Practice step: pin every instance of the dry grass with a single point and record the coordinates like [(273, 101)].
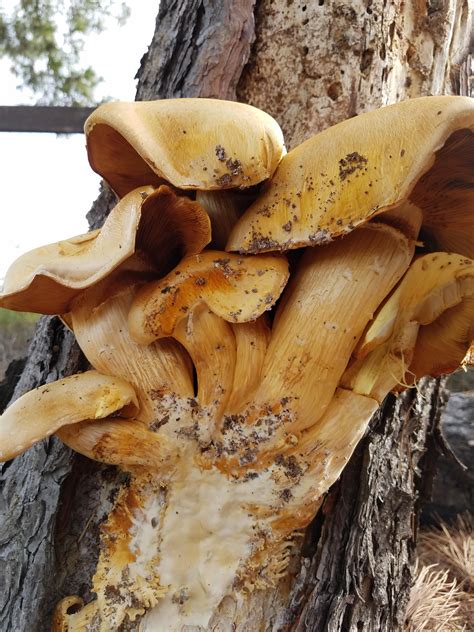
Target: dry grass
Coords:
[(442, 594)]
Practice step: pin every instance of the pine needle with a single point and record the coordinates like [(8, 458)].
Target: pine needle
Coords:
[(441, 597), (435, 602)]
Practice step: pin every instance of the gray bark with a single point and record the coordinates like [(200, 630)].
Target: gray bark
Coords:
[(312, 64)]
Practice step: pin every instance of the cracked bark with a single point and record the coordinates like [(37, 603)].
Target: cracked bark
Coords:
[(311, 65)]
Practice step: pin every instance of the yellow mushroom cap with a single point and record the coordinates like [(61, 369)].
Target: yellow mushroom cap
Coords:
[(419, 151), (235, 288), (42, 411), (191, 143), (433, 284), (156, 224)]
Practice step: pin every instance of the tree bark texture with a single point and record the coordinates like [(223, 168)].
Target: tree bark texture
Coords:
[(309, 64)]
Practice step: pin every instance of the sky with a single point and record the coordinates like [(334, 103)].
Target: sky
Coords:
[(47, 184)]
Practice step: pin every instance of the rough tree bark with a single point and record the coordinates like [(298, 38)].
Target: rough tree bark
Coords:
[(309, 64)]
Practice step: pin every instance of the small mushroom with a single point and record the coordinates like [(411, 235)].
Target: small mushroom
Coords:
[(196, 302), (424, 328), (124, 442), (42, 411), (419, 151)]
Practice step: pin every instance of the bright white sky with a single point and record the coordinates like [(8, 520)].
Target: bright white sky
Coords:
[(47, 184)]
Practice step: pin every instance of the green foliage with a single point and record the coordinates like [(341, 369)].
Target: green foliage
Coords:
[(9, 321), (16, 330), (44, 40)]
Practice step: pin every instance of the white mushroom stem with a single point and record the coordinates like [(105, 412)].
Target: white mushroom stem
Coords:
[(42, 411), (329, 301)]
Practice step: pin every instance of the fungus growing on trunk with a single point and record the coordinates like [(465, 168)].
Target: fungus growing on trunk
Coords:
[(200, 144), (424, 328), (232, 422)]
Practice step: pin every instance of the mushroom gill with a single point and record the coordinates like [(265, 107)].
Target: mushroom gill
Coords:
[(424, 328)]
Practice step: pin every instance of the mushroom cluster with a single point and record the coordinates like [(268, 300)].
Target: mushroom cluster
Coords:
[(231, 377)]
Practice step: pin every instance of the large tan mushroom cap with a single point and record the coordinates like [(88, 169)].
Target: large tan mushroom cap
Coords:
[(191, 143), (419, 151), (237, 289), (156, 224)]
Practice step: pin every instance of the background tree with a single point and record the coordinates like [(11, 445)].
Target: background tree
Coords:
[(310, 65), (44, 39)]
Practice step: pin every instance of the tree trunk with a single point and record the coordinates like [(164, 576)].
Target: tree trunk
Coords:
[(310, 65)]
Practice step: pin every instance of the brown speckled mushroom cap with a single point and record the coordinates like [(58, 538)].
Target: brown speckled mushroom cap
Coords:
[(419, 152), (156, 224), (236, 288), (191, 143)]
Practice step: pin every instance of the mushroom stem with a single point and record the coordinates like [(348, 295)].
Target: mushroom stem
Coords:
[(194, 304), (42, 411), (321, 454), (224, 209), (124, 442), (251, 341), (99, 320), (210, 342), (329, 301)]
